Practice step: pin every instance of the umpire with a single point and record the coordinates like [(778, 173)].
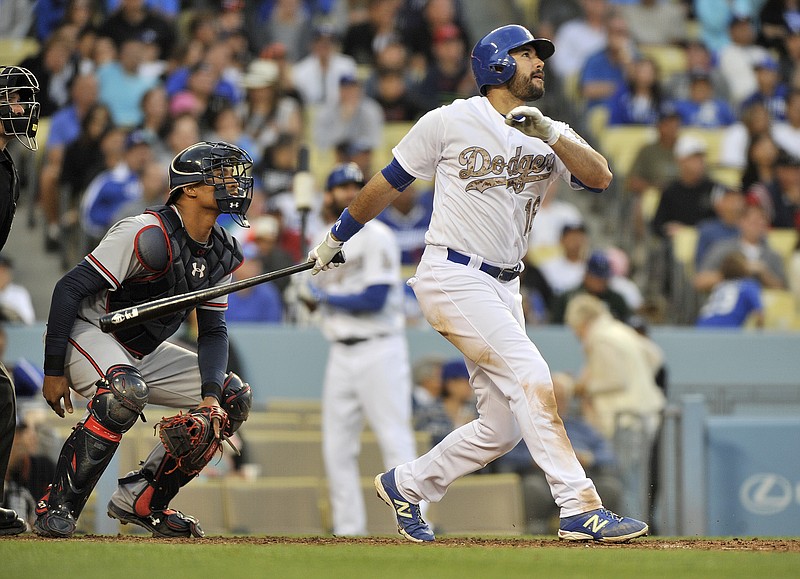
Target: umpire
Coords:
[(19, 118)]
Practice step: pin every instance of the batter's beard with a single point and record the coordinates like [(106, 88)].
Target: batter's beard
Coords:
[(524, 88)]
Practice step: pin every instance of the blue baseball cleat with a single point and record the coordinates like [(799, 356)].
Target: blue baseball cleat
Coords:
[(409, 520), (601, 525)]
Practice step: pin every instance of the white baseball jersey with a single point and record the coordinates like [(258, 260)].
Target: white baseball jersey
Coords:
[(489, 178), (372, 258)]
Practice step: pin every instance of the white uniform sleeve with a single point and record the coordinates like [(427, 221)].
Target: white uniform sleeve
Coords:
[(420, 150), (382, 261), (114, 258)]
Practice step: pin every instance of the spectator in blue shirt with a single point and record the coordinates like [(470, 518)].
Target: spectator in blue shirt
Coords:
[(260, 303), (728, 203), (771, 91), (640, 101), (734, 299), (605, 72), (702, 109)]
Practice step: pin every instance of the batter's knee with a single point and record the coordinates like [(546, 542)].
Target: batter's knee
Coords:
[(237, 399), (120, 398)]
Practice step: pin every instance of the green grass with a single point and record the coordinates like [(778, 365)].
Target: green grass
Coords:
[(31, 558)]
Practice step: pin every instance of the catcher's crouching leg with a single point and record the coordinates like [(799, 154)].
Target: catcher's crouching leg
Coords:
[(117, 404), (143, 496)]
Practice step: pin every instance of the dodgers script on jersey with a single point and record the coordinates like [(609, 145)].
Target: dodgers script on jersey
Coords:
[(489, 178), (116, 260), (373, 258)]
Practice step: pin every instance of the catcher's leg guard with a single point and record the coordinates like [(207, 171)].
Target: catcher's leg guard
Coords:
[(143, 497), (118, 402)]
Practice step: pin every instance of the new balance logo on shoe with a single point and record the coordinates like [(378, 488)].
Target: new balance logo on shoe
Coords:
[(403, 509), (596, 523)]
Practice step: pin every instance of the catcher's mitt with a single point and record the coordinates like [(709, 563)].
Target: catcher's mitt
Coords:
[(190, 439)]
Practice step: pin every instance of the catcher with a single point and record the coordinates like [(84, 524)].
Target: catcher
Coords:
[(167, 250)]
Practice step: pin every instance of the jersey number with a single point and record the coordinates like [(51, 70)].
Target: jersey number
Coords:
[(531, 208)]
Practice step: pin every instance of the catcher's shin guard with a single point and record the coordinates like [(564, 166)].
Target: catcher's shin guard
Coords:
[(143, 497), (113, 410)]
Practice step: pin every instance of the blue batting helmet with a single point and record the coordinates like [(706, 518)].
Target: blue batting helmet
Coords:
[(344, 174), (491, 63)]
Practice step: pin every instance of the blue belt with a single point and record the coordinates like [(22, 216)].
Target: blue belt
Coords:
[(496, 272)]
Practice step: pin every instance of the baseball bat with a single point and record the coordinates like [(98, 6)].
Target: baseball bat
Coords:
[(127, 317)]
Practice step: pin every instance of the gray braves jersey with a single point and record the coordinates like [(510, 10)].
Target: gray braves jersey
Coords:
[(115, 259)]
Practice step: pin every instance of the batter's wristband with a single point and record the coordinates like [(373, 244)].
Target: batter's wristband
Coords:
[(211, 389), (54, 365), (346, 226)]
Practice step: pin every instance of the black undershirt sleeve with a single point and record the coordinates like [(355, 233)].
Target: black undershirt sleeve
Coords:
[(80, 282), (212, 351)]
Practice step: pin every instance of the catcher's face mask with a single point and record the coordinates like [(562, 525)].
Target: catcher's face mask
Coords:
[(19, 111)]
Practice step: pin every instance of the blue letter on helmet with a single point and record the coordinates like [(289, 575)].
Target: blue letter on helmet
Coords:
[(491, 63)]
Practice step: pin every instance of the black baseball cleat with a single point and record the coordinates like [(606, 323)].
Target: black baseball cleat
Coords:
[(168, 523), (11, 523), (55, 522)]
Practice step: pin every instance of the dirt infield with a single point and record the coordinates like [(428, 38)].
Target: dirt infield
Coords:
[(650, 543)]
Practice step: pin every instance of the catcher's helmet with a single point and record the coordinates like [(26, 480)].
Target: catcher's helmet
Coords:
[(19, 111), (224, 166), (344, 174), (491, 63)]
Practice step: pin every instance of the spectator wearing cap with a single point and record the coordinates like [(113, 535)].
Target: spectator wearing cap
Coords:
[(596, 282), (15, 300), (122, 86), (418, 28), (702, 108), (728, 204), (687, 199), (771, 92), (398, 102), (738, 59), (355, 117), (787, 133), (447, 74), (266, 110), (453, 408), (115, 187), (698, 59), (317, 76), (565, 271)]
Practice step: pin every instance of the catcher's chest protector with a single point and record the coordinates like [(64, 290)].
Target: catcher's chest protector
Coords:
[(178, 265)]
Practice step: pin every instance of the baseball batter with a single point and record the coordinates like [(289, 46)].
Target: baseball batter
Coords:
[(492, 159), (368, 373), (167, 250)]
